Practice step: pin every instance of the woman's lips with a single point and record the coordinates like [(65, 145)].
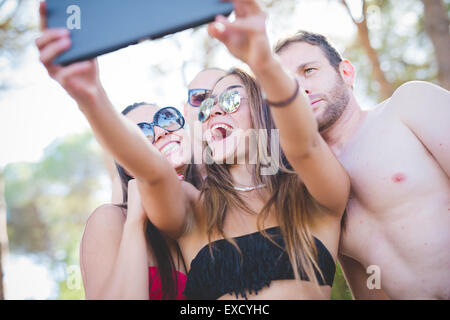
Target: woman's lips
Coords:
[(169, 147), (221, 131)]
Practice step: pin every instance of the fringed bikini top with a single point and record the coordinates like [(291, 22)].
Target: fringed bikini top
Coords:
[(261, 262)]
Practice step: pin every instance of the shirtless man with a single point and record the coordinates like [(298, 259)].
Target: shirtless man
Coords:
[(397, 224)]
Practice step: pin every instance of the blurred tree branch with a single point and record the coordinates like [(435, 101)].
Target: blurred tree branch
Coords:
[(15, 34), (3, 235), (437, 27), (386, 87), (13, 27)]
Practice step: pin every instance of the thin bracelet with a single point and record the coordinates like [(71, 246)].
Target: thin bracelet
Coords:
[(288, 101)]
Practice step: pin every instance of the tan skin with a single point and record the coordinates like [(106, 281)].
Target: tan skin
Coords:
[(398, 158), (114, 253), (183, 217)]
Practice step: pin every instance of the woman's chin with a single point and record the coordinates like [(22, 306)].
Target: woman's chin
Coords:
[(224, 153), (178, 159), (227, 150)]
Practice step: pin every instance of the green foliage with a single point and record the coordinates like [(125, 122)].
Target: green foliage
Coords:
[(340, 289), (66, 293), (48, 202)]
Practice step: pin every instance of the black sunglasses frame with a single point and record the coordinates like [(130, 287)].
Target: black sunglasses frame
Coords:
[(154, 123)]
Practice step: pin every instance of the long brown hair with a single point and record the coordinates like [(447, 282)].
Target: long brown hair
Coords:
[(288, 197), (157, 242)]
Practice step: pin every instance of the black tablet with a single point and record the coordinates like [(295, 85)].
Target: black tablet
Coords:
[(102, 26)]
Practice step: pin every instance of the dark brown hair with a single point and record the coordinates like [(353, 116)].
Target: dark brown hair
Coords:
[(288, 197), (158, 243), (314, 39)]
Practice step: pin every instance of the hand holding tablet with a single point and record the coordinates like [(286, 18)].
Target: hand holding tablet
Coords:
[(102, 26)]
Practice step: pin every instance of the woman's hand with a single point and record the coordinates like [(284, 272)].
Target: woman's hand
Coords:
[(246, 37), (135, 211), (81, 79)]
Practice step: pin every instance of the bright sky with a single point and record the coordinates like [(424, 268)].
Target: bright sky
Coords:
[(39, 111)]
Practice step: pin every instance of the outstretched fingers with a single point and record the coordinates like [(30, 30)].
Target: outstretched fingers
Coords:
[(49, 36), (43, 15), (221, 29), (244, 8), (74, 69), (51, 47)]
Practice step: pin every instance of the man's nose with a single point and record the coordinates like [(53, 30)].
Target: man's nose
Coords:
[(304, 85)]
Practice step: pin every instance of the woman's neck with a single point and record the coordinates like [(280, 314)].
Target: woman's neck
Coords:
[(242, 175)]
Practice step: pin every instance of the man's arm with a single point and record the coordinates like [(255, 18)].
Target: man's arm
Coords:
[(356, 278), (425, 109)]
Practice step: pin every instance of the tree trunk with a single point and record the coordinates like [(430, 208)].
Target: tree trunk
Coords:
[(386, 88), (2, 293), (3, 235), (437, 27)]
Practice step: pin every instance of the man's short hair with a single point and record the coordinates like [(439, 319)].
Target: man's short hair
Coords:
[(314, 39)]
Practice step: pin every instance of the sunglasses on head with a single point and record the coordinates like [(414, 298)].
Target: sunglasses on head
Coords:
[(197, 96), (168, 118), (229, 102)]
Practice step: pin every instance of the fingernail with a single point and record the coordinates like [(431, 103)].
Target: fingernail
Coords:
[(219, 26)]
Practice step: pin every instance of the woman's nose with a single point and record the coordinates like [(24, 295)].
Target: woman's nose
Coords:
[(216, 110), (160, 133)]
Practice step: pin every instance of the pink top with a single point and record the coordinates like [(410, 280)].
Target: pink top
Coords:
[(155, 284)]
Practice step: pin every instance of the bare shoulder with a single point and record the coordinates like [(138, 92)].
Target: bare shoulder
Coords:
[(412, 96), (107, 219), (100, 242), (415, 94), (417, 88)]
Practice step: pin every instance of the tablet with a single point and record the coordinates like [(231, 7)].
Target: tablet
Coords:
[(102, 26)]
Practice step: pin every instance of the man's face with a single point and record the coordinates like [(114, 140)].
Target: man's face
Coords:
[(328, 93), (204, 80)]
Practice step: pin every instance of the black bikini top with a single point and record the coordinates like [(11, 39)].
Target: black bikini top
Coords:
[(261, 262)]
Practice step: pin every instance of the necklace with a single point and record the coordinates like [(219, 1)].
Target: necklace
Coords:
[(246, 189)]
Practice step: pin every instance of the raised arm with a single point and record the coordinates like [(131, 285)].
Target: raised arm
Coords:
[(316, 165), (119, 136)]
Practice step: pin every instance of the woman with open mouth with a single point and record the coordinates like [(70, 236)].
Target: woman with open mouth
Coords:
[(123, 255), (248, 233)]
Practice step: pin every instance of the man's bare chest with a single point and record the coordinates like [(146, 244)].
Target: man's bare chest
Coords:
[(397, 186)]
